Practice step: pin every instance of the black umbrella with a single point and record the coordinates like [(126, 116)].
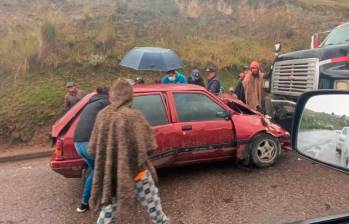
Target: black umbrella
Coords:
[(152, 59)]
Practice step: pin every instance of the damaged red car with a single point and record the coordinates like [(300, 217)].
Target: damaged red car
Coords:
[(191, 126)]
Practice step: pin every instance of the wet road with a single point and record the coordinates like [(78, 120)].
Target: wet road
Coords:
[(321, 144), (216, 193)]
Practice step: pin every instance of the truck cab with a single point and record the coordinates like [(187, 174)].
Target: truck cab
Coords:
[(323, 66)]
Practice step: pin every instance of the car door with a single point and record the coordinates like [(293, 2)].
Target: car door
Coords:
[(155, 109), (206, 135)]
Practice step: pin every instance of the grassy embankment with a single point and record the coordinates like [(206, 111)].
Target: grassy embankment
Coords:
[(38, 57)]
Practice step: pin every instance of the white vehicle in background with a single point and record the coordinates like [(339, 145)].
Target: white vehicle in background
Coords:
[(342, 146), (341, 141)]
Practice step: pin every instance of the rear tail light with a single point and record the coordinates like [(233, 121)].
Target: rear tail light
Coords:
[(59, 149)]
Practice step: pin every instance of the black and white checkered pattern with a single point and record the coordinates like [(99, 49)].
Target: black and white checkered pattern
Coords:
[(107, 214), (148, 196)]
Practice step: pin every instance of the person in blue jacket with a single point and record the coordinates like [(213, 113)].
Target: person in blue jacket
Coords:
[(175, 77)]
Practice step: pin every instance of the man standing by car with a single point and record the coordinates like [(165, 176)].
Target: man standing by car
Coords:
[(253, 86), (82, 136), (73, 96), (214, 85), (174, 77), (120, 142), (239, 89)]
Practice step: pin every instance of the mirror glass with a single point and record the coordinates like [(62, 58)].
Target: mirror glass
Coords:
[(323, 132)]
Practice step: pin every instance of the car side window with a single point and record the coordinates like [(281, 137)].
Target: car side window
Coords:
[(196, 107), (152, 108)]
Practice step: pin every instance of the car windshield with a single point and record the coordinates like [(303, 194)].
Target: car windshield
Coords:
[(339, 35)]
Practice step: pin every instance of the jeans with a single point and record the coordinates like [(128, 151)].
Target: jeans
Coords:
[(81, 148)]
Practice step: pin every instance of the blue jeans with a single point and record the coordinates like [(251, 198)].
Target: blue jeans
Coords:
[(81, 149)]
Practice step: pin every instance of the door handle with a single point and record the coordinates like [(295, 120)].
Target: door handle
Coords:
[(187, 128)]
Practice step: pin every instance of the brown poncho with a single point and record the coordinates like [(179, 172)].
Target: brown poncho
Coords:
[(120, 143), (253, 87)]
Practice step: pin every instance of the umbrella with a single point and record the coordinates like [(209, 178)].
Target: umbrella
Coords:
[(152, 59)]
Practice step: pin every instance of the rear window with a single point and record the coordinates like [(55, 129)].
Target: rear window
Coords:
[(152, 108)]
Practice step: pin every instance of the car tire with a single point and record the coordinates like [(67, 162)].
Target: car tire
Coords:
[(264, 150)]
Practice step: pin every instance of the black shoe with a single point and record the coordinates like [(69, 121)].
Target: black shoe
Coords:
[(82, 208)]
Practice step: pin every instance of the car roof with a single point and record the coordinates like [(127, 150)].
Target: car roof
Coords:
[(165, 87)]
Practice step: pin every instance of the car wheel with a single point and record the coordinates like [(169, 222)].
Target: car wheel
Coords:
[(265, 150)]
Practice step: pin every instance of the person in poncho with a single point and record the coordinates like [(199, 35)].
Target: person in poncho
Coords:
[(120, 144), (253, 86)]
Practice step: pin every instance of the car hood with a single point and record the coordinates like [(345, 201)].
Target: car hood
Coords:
[(324, 53), (270, 127)]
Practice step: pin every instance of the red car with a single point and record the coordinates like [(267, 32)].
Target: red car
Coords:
[(191, 126)]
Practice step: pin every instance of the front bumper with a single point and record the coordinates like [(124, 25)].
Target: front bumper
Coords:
[(286, 143)]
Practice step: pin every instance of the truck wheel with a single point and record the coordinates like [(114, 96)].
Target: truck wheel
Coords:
[(265, 150)]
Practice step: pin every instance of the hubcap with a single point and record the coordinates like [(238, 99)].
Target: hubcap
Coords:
[(266, 150)]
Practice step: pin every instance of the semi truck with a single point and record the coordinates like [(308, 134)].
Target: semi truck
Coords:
[(324, 66)]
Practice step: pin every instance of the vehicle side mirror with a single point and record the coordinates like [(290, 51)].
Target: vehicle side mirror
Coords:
[(321, 121), (277, 47), (226, 114), (314, 41)]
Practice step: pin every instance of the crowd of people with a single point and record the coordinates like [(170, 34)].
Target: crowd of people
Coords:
[(115, 141)]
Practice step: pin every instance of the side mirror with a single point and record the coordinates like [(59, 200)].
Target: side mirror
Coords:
[(277, 47), (320, 127), (314, 41), (224, 114)]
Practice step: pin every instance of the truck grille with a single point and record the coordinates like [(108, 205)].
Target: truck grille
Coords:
[(294, 77)]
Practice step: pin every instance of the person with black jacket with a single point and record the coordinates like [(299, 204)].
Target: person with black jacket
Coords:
[(82, 137), (195, 78), (239, 89), (214, 85)]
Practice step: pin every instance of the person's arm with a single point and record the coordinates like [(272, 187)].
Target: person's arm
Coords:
[(66, 103), (184, 79), (214, 87), (201, 82), (164, 80)]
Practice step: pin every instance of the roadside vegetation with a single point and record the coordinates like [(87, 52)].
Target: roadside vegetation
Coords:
[(45, 43), (321, 120)]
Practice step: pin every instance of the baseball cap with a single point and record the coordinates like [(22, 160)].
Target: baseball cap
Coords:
[(70, 84), (210, 69)]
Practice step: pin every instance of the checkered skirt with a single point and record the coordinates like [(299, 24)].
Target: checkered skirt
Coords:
[(147, 195)]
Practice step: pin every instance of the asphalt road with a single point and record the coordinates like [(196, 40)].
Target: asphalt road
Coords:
[(320, 144), (216, 193)]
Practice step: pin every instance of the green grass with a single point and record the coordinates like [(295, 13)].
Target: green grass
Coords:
[(37, 101)]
